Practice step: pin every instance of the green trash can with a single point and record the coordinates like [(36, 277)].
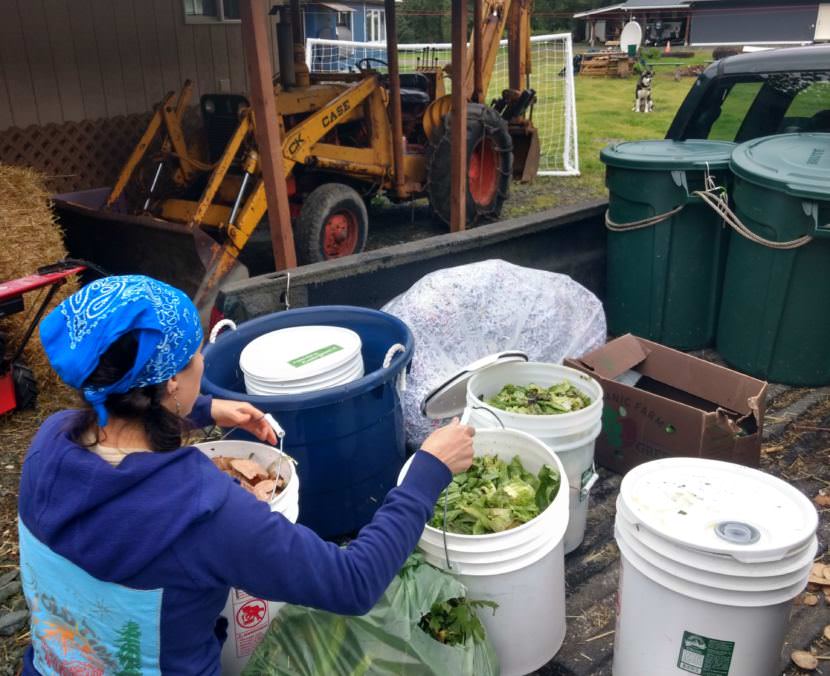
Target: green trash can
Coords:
[(775, 310), (666, 249)]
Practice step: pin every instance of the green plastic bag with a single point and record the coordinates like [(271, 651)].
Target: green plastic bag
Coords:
[(387, 640)]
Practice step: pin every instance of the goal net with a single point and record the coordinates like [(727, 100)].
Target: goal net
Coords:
[(554, 113)]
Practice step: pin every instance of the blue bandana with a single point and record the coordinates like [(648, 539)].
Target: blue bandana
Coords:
[(77, 333)]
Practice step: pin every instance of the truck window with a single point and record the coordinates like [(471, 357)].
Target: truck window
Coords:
[(810, 109), (737, 102)]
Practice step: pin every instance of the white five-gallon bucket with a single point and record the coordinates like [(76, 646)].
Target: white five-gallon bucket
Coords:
[(712, 555), (570, 435), (521, 569), (249, 617)]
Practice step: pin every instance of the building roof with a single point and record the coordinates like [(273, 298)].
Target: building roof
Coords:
[(634, 5)]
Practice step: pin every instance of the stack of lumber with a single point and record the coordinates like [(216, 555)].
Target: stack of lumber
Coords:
[(605, 64)]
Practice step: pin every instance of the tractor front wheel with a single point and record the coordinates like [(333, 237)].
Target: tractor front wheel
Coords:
[(489, 165), (333, 222), (25, 386)]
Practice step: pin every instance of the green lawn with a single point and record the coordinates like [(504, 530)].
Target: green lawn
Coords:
[(604, 116)]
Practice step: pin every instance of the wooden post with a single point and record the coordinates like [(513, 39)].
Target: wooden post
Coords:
[(478, 94), (394, 96), (688, 28), (267, 131), (458, 174), (515, 49)]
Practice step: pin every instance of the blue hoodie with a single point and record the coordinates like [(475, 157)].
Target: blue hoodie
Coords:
[(126, 569)]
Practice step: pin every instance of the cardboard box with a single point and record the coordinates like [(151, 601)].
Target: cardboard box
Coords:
[(663, 403)]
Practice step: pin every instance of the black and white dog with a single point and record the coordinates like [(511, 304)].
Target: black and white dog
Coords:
[(642, 93)]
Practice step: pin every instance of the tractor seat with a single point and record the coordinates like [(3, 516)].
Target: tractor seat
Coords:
[(414, 97), (414, 81)]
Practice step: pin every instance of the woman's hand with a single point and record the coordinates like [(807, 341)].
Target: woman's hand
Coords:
[(452, 445), (226, 413)]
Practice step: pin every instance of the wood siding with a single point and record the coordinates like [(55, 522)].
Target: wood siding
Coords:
[(73, 60)]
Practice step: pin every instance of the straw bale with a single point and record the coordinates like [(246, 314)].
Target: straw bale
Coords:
[(31, 238)]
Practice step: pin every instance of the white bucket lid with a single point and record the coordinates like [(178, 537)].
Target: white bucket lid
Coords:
[(344, 377), (718, 507), (346, 372), (450, 397), (299, 353)]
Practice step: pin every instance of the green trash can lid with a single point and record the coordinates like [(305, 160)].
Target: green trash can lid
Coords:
[(664, 154), (795, 164)]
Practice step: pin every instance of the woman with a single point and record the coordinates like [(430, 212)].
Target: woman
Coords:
[(130, 542)]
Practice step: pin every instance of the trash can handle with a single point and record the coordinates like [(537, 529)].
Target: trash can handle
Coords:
[(811, 209), (217, 329)]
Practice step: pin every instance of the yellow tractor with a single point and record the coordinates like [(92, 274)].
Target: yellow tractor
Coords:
[(337, 152)]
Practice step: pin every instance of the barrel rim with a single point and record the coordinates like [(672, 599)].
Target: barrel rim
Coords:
[(716, 157), (321, 314)]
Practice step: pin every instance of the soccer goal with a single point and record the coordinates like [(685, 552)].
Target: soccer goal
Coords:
[(554, 113)]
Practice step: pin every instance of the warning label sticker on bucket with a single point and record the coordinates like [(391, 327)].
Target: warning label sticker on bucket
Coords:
[(306, 359), (251, 620), (705, 656)]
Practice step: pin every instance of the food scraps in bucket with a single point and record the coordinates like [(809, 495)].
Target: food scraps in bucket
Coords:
[(454, 622), (493, 496), (536, 400), (252, 476)]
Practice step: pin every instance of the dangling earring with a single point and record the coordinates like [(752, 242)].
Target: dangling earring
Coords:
[(178, 407)]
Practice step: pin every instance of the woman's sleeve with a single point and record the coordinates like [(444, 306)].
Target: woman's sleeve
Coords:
[(246, 546), (200, 415)]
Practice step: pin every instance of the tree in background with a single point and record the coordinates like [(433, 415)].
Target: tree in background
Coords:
[(424, 21), (430, 20)]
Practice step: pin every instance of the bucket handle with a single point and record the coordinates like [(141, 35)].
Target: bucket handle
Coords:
[(465, 418), (387, 362), (586, 489), (217, 329)]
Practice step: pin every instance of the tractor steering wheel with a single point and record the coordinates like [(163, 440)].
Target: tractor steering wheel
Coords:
[(364, 64)]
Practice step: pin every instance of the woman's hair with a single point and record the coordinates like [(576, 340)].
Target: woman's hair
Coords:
[(142, 405)]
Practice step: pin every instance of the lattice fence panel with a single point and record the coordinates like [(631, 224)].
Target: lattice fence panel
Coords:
[(79, 155)]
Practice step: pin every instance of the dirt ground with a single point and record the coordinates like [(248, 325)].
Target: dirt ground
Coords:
[(398, 223), (796, 448)]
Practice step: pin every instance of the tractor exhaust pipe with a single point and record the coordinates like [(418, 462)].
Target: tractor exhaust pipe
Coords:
[(285, 49)]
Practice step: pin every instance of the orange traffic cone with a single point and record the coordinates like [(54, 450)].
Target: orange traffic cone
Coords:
[(667, 50)]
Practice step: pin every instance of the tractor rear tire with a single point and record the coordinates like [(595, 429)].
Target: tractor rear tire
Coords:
[(489, 165), (25, 386), (333, 222)]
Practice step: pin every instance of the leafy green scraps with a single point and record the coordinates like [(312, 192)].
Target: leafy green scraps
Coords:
[(535, 400), (454, 621), (493, 496)]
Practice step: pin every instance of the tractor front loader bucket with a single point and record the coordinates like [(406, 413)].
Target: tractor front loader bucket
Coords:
[(122, 243), (526, 150)]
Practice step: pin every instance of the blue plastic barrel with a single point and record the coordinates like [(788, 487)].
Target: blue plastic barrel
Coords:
[(349, 440)]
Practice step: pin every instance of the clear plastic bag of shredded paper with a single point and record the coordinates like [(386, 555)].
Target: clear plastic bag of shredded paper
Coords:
[(387, 640), (459, 315)]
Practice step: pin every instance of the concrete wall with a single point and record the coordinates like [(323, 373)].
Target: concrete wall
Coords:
[(70, 60)]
